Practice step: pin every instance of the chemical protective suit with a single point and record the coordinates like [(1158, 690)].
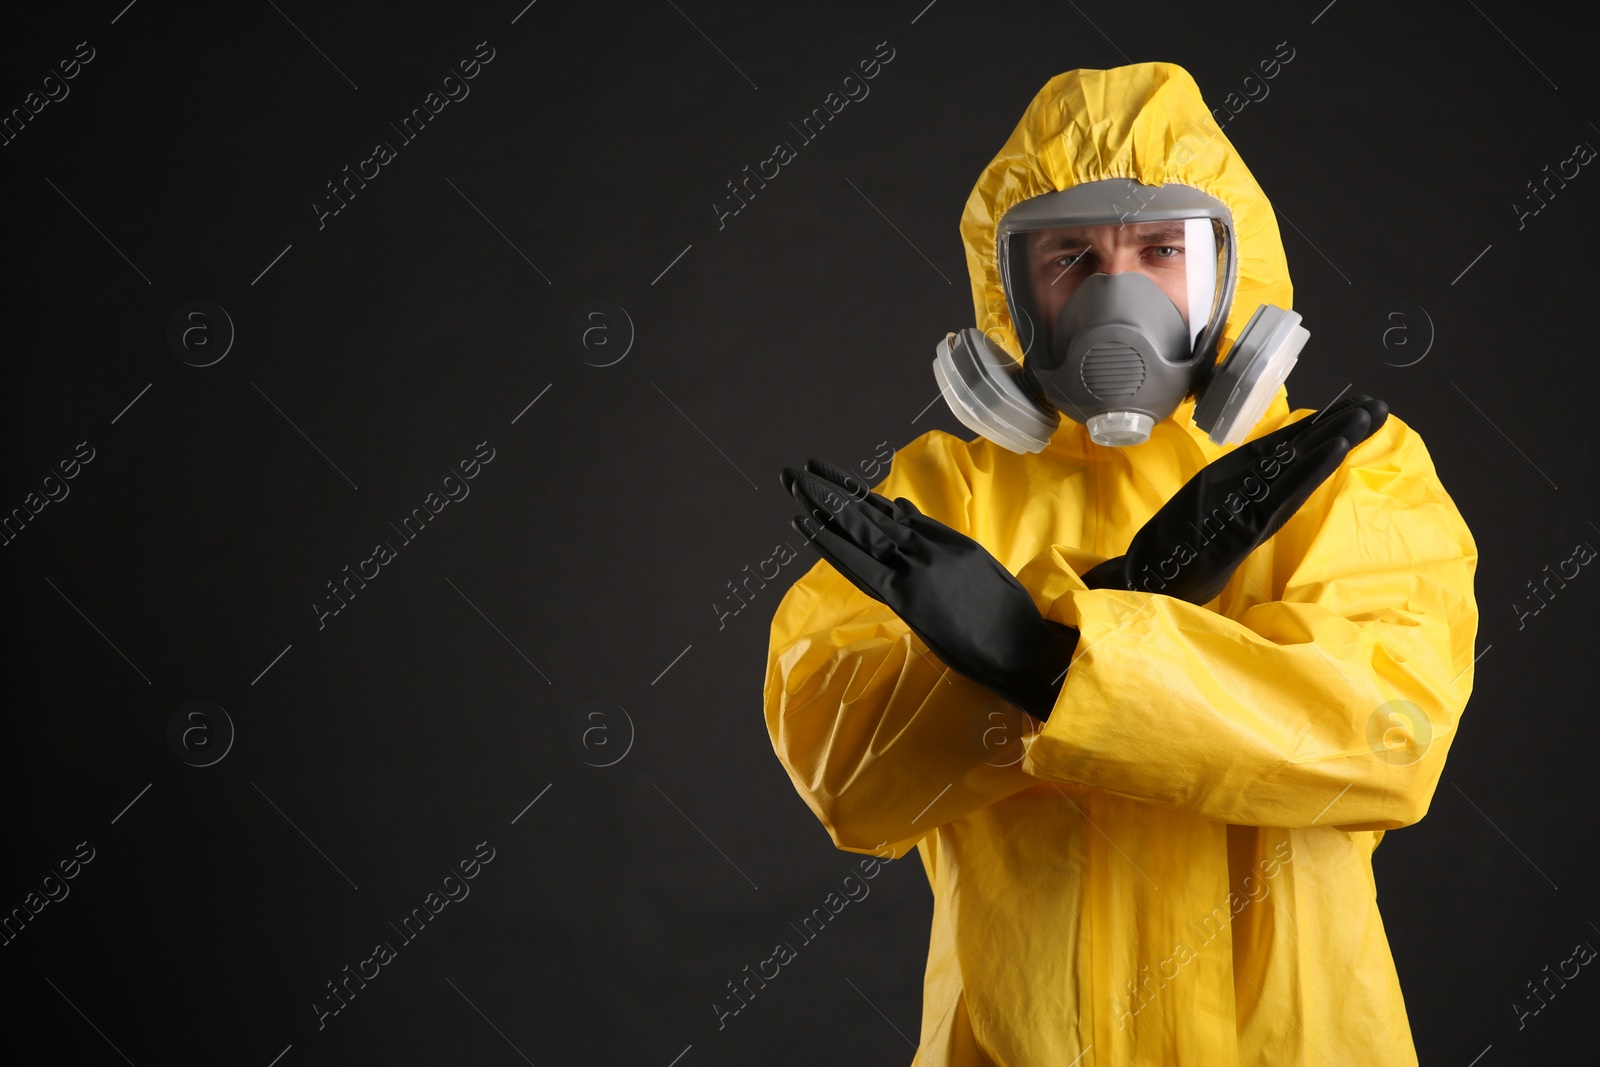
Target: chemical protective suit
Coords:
[(1175, 867)]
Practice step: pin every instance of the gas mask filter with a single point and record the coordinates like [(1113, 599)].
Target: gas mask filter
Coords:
[(1119, 292)]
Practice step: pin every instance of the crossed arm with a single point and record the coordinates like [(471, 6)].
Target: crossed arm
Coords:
[(1323, 690)]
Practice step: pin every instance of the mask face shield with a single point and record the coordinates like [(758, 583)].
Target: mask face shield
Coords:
[(1179, 256), (1118, 292)]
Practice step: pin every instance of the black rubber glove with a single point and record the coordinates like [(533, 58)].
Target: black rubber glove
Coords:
[(967, 608), (1191, 547)]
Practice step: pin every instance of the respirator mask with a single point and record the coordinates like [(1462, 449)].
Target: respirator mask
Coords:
[(1118, 292)]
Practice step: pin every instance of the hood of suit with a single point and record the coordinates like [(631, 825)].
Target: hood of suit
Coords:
[(1147, 122)]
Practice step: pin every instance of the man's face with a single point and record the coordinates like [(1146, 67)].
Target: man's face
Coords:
[(1059, 260)]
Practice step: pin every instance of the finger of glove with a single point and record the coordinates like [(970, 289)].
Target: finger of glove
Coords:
[(929, 534), (1338, 407), (905, 511), (874, 523), (849, 483), (858, 568), (1241, 460), (1293, 432), (1344, 418), (871, 530), (873, 579), (1303, 477), (787, 478), (1377, 412), (926, 532), (1353, 424)]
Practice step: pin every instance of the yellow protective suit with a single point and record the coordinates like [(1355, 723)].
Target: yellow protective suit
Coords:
[(1176, 868)]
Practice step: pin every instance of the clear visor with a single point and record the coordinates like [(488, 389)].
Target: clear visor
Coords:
[(1185, 257)]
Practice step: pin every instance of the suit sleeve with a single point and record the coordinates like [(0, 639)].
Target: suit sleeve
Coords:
[(881, 740), (1324, 685)]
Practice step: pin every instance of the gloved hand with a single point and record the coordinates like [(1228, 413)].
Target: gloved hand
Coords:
[(967, 608), (1191, 547)]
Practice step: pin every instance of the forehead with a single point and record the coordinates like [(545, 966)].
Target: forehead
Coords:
[(1110, 233)]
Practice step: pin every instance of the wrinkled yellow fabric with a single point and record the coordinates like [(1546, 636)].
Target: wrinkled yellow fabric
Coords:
[(1176, 868)]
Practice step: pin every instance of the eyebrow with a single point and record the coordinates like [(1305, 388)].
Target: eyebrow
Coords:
[(1169, 233), (1161, 233)]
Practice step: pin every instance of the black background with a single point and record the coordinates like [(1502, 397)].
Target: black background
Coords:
[(574, 587)]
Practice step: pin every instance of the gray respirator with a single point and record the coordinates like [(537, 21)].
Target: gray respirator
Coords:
[(1119, 292)]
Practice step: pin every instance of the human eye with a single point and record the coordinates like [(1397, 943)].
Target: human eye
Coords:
[(1058, 262), (1166, 251)]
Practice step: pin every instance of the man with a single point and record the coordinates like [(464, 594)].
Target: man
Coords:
[(1143, 697)]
